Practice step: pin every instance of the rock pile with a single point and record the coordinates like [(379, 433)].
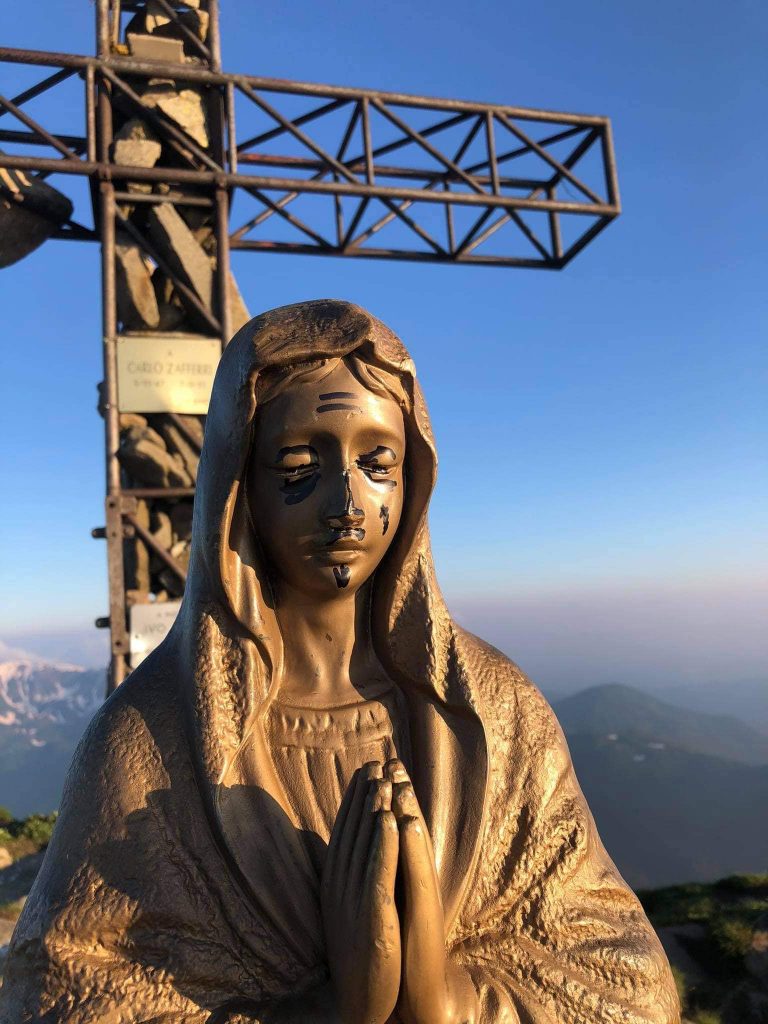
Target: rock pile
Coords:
[(166, 278), (160, 451)]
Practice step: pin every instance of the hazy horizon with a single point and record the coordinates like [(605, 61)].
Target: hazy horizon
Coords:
[(696, 643), (601, 431)]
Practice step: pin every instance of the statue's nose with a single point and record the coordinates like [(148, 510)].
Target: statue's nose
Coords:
[(350, 515)]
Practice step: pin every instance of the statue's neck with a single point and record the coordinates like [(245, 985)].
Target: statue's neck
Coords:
[(328, 656)]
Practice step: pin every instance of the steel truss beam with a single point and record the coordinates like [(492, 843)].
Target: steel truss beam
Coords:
[(463, 160)]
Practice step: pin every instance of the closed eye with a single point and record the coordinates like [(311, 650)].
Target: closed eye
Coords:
[(292, 473), (378, 463), (296, 463), (372, 469)]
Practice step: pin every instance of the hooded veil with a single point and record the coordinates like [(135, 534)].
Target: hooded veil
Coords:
[(175, 889)]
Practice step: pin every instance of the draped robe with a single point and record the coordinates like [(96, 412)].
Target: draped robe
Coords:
[(176, 888)]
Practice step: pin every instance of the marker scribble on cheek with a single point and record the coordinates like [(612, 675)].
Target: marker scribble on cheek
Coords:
[(341, 574), (389, 484), (384, 516)]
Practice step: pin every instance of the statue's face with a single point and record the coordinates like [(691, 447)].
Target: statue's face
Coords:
[(325, 482)]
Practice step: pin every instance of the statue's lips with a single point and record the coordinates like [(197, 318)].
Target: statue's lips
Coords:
[(346, 540)]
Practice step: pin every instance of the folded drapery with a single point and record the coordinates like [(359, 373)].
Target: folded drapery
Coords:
[(177, 887)]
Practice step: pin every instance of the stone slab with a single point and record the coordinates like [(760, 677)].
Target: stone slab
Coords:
[(181, 250), (183, 106), (238, 311), (156, 48), (136, 300), (30, 212)]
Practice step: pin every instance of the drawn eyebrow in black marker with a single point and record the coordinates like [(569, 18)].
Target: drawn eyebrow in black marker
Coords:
[(338, 407), (337, 394), (295, 449), (379, 450)]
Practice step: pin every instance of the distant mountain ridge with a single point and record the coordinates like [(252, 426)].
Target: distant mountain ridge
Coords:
[(667, 816), (44, 708), (45, 692), (614, 709), (678, 795)]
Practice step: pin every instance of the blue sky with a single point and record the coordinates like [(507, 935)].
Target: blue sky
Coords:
[(601, 430)]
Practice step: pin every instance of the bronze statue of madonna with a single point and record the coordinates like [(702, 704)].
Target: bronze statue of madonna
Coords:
[(320, 800)]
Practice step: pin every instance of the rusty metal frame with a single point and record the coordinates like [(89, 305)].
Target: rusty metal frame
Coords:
[(380, 189), (488, 185), (102, 85)]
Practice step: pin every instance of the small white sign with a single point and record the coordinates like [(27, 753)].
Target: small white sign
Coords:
[(150, 624), (166, 374)]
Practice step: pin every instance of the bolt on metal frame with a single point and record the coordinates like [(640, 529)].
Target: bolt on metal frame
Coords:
[(460, 163)]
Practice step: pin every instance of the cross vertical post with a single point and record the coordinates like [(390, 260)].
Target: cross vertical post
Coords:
[(355, 173)]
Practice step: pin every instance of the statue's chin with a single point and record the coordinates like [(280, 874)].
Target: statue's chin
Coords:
[(341, 572), (327, 574), (340, 579)]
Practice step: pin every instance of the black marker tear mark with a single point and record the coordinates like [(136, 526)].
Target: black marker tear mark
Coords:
[(337, 394), (384, 515), (297, 492), (368, 463), (341, 574), (338, 407)]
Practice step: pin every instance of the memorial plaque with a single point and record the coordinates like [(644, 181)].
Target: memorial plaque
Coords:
[(166, 374), (150, 624)]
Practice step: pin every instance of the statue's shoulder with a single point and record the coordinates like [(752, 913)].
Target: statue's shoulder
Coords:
[(141, 716), (505, 691)]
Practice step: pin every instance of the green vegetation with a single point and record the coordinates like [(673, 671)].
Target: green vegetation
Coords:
[(725, 913), (10, 911), (680, 984), (22, 836)]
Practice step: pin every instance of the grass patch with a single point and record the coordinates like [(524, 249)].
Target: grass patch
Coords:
[(22, 836), (10, 911), (726, 911), (677, 974)]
